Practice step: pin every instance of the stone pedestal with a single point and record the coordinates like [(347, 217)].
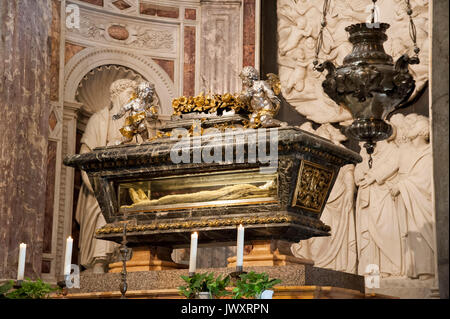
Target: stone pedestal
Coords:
[(297, 282), (148, 258), (405, 288), (270, 253)]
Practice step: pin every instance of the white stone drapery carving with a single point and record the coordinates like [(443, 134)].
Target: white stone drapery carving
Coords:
[(394, 214), (412, 195)]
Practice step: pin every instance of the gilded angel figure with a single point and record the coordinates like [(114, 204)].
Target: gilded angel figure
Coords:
[(140, 108), (261, 99)]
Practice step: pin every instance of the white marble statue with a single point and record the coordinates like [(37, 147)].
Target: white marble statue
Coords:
[(298, 28), (101, 130), (412, 193), (337, 252), (401, 140), (378, 228)]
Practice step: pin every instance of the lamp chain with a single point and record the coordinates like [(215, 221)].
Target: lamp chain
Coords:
[(373, 11), (412, 30), (323, 24), (124, 252)]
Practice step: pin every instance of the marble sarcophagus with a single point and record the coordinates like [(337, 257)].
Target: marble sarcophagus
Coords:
[(275, 182)]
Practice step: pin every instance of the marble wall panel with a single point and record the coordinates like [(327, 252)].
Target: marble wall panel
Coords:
[(121, 4), (55, 40), (147, 9), (249, 36), (189, 61), (168, 66), (167, 12), (159, 10), (94, 2), (71, 49), (190, 14)]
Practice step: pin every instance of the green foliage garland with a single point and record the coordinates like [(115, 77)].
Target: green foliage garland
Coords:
[(249, 285), (28, 290)]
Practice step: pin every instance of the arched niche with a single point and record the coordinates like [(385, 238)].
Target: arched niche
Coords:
[(93, 90), (88, 59)]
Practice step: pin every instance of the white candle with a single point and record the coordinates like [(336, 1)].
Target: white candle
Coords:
[(193, 256), (68, 256), (240, 247), (21, 267)]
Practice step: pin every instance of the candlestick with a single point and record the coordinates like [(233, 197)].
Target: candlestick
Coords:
[(68, 256), (21, 267), (193, 255), (240, 247)]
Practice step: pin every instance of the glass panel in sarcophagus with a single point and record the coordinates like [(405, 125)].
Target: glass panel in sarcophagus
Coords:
[(230, 188)]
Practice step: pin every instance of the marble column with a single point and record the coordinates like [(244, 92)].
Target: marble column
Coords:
[(440, 138), (24, 107)]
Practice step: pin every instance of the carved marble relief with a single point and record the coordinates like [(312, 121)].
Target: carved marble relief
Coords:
[(400, 181), (298, 27), (128, 33)]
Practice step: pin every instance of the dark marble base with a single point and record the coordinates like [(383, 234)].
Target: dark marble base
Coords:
[(293, 275)]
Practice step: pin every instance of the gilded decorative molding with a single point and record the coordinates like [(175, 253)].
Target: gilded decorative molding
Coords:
[(278, 219), (210, 103), (313, 184)]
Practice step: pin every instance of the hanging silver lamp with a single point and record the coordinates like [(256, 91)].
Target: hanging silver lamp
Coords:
[(368, 83)]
